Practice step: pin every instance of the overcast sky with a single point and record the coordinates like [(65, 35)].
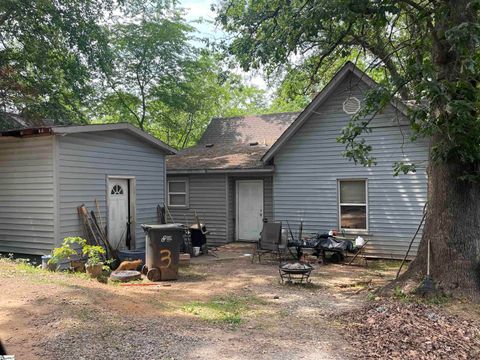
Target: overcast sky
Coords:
[(198, 9)]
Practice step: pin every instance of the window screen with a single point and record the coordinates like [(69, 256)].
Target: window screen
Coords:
[(353, 204)]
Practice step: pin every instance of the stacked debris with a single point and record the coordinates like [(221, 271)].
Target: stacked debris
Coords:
[(94, 230), (393, 330)]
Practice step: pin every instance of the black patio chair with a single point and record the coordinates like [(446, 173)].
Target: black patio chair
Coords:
[(270, 242)]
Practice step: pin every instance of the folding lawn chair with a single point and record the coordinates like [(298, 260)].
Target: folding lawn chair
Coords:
[(270, 242)]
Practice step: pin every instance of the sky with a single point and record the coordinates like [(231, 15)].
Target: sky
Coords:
[(198, 9), (201, 9)]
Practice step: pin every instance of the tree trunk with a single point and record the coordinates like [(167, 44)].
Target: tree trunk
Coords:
[(452, 223), (452, 226)]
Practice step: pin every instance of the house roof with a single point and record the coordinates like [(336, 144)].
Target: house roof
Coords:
[(236, 143), (64, 130), (11, 121), (347, 69)]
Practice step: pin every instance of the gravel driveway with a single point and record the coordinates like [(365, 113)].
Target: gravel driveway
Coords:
[(229, 309)]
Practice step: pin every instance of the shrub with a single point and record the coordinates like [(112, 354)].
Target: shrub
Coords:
[(67, 250), (93, 252)]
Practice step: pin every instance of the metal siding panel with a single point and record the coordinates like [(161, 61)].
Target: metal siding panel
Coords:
[(27, 195), (85, 161), (309, 164), (206, 196)]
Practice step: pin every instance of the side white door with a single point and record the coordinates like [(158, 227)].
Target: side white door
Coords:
[(249, 209), (117, 212)]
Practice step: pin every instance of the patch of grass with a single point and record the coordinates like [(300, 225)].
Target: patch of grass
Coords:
[(229, 309), (385, 265), (440, 299), (17, 267), (25, 267), (435, 299), (371, 296), (400, 295)]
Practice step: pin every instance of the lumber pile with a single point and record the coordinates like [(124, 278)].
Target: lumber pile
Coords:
[(95, 231)]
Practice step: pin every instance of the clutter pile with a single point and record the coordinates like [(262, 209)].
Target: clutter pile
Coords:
[(393, 330)]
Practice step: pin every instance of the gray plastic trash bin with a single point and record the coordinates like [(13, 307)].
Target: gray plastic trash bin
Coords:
[(162, 251)]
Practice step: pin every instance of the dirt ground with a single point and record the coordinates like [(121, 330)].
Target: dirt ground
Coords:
[(229, 309)]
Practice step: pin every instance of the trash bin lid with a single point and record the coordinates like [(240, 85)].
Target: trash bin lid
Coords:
[(195, 226), (163, 227)]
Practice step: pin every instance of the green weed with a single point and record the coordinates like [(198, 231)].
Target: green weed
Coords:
[(385, 265), (400, 295), (228, 309)]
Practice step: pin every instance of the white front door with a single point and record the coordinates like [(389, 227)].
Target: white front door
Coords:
[(117, 212), (249, 209)]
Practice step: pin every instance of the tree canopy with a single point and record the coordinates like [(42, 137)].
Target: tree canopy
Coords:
[(112, 61), (393, 37), (47, 52), (161, 82)]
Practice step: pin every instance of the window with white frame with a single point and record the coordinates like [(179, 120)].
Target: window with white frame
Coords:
[(178, 193), (353, 204)]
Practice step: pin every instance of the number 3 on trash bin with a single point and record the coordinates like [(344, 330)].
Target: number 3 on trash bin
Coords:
[(166, 255)]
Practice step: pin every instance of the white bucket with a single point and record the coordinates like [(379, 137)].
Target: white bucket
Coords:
[(45, 259), (359, 242), (196, 250)]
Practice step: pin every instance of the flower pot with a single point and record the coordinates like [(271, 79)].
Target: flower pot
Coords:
[(78, 265), (94, 270)]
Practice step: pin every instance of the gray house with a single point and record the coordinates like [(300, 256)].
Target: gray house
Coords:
[(46, 172), (224, 179), (235, 177)]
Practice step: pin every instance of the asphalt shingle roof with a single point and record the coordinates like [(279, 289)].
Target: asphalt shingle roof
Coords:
[(231, 139), (11, 121)]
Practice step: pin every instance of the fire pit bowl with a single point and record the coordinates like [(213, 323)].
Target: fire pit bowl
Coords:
[(295, 272)]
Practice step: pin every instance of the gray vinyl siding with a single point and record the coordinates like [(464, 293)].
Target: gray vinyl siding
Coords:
[(208, 196), (27, 198), (85, 160), (309, 165), (267, 200)]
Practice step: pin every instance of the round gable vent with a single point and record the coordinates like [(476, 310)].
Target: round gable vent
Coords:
[(351, 105)]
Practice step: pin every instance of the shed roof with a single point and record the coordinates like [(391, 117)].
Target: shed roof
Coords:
[(232, 143), (73, 129)]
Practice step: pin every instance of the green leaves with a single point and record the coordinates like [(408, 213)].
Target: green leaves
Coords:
[(47, 55), (426, 55), (161, 82), (400, 167)]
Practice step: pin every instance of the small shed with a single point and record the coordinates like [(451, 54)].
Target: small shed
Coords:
[(47, 172)]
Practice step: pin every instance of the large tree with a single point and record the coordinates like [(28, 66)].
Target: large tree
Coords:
[(47, 51), (429, 52), (163, 80)]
